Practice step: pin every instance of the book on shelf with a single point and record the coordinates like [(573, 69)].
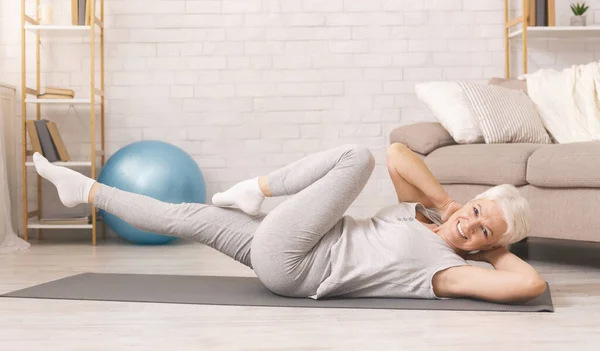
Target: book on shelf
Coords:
[(46, 139), (542, 13), (58, 142), (48, 148), (70, 219), (81, 12), (59, 91), (531, 21), (36, 146)]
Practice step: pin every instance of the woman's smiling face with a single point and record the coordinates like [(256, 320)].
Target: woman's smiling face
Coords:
[(478, 225)]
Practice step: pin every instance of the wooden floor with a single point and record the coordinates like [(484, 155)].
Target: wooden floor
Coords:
[(572, 269)]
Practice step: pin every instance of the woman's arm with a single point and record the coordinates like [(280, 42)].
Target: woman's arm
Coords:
[(412, 179), (513, 279), (486, 284)]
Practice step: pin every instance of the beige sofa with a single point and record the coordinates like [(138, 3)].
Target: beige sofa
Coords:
[(560, 181)]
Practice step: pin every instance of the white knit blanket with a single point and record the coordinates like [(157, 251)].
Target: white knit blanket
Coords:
[(568, 101)]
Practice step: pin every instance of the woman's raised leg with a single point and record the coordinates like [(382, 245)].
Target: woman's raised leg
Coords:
[(227, 230)]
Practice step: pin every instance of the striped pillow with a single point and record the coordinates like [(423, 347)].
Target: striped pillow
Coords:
[(505, 115)]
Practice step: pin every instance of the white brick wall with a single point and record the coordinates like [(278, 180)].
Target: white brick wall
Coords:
[(246, 86)]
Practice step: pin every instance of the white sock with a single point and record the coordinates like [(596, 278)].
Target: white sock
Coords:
[(73, 187), (245, 195)]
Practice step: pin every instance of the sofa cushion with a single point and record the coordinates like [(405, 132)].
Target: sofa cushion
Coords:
[(565, 165), (422, 137), (488, 164)]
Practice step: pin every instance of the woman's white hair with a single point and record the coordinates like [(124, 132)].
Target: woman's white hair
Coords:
[(515, 209)]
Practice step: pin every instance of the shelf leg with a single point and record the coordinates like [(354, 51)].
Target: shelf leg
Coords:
[(102, 140), (38, 111), (23, 125), (93, 106), (525, 21), (506, 43)]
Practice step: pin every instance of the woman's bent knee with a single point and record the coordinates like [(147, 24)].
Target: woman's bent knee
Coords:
[(361, 155)]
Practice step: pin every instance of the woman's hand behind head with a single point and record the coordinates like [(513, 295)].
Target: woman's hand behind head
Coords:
[(449, 209)]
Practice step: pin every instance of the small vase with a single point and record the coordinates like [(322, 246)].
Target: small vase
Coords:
[(578, 21)]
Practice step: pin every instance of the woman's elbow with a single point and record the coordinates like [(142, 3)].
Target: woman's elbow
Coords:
[(532, 289), (527, 291), (396, 152), (396, 147), (537, 287)]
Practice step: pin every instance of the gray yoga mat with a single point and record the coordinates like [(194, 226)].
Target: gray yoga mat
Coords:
[(238, 291)]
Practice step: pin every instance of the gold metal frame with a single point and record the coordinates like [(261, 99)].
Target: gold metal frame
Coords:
[(509, 23), (96, 21)]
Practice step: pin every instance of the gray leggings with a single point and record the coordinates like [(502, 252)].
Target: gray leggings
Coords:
[(288, 248)]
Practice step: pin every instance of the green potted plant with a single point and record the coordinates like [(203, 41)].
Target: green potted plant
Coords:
[(579, 10)]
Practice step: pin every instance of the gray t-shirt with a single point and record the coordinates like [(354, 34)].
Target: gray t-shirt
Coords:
[(389, 255)]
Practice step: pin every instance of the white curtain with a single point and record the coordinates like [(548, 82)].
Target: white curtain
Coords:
[(9, 241)]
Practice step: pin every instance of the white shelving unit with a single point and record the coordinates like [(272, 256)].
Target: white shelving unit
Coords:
[(59, 101), (526, 32), (34, 224), (95, 32), (43, 27), (558, 32)]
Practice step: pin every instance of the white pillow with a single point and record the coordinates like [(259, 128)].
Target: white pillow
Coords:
[(448, 103)]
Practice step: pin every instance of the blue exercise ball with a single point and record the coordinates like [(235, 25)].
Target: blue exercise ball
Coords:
[(156, 169)]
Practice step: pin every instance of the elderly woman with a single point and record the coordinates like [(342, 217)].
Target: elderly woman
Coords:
[(306, 247)]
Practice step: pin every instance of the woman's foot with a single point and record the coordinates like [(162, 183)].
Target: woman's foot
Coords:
[(73, 187), (245, 195)]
